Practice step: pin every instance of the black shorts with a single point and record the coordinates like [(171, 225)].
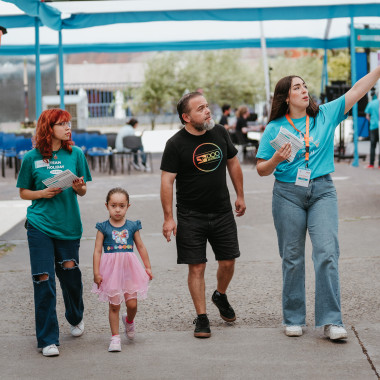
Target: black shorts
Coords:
[(195, 228)]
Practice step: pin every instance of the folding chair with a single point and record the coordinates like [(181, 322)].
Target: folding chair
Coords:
[(8, 151), (97, 146), (23, 145), (133, 143)]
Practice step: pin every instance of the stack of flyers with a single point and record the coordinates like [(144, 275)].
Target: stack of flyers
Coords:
[(283, 137), (63, 180)]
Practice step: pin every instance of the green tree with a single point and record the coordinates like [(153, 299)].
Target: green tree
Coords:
[(308, 67), (228, 79), (156, 94), (339, 65), (224, 77)]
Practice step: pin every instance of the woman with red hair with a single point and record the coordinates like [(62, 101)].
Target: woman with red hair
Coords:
[(54, 225)]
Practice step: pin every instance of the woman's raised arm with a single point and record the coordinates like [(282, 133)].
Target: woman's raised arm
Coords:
[(360, 88)]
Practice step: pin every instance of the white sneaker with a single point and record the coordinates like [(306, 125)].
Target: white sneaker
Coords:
[(77, 330), (129, 327), (335, 332), (136, 166), (115, 344), (51, 350), (147, 168), (293, 330)]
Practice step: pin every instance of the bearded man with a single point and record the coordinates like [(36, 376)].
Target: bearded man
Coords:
[(196, 158)]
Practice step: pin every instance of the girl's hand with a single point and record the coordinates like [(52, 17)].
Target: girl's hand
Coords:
[(149, 273), (50, 192), (98, 279)]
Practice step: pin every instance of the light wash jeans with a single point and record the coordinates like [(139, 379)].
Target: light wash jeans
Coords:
[(295, 210)]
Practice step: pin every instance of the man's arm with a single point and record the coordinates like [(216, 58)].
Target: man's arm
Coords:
[(169, 226), (236, 175)]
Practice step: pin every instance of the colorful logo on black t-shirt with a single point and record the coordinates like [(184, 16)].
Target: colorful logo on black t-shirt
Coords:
[(207, 157)]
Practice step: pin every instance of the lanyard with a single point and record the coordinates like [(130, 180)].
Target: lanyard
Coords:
[(306, 135)]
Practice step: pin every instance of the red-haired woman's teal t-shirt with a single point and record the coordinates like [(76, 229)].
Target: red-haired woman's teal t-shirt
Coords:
[(57, 217)]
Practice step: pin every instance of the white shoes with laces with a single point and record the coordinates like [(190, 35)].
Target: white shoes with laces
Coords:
[(51, 350), (332, 332), (77, 330), (335, 332), (293, 330)]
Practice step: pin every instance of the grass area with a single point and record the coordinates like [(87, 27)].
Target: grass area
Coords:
[(5, 248)]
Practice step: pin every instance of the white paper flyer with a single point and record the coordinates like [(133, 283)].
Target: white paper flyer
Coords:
[(283, 137)]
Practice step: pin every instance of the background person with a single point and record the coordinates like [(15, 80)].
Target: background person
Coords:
[(129, 130), (226, 111), (304, 198), (372, 115), (241, 129), (118, 274), (54, 226), (196, 158)]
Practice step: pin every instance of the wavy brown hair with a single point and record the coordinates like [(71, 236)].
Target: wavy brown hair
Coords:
[(44, 131), (281, 92), (241, 111)]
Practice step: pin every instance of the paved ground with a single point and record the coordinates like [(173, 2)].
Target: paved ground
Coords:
[(254, 347)]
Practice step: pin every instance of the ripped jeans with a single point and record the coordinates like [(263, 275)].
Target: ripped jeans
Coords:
[(47, 258)]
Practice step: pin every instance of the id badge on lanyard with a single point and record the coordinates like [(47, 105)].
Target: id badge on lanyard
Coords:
[(303, 175)]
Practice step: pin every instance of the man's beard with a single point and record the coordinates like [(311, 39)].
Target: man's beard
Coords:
[(205, 126)]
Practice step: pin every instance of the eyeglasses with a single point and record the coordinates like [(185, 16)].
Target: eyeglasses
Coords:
[(65, 124)]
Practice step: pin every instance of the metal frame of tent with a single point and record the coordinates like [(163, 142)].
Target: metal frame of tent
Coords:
[(36, 13)]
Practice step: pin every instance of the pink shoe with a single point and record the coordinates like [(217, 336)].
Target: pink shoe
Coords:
[(129, 327)]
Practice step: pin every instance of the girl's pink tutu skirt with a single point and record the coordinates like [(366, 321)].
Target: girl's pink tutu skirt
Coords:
[(123, 276)]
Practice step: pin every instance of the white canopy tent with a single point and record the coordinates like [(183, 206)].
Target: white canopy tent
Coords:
[(147, 25)]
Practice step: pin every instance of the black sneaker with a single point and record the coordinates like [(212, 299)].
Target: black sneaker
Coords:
[(226, 311), (202, 326)]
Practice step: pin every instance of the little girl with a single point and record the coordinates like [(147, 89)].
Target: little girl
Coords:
[(118, 274)]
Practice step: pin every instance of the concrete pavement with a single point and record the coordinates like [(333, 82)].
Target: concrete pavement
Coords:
[(254, 347)]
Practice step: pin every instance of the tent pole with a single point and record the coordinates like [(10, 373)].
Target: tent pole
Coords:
[(38, 68), (266, 67), (325, 75), (61, 82), (353, 81)]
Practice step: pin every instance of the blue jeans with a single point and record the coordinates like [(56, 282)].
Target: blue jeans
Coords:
[(374, 137), (314, 209), (48, 255), (136, 156)]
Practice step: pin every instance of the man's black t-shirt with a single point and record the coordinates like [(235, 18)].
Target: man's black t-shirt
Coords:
[(200, 164)]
